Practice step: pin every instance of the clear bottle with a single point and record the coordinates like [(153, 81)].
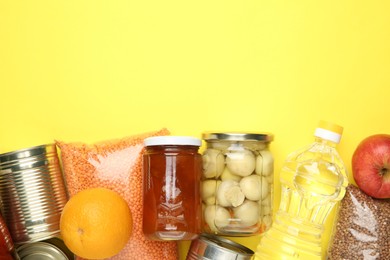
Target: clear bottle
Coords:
[(313, 181)]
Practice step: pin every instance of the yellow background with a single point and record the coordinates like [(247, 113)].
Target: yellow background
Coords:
[(95, 70)]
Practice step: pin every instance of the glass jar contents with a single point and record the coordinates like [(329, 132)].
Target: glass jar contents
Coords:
[(237, 183), (172, 170)]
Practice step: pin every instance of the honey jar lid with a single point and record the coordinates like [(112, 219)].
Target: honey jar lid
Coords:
[(238, 136), (172, 140)]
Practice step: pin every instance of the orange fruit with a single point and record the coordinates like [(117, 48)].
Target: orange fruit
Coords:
[(96, 223)]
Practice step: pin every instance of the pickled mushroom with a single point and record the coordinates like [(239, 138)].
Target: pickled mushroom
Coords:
[(252, 187), (213, 163), (227, 175), (266, 201), (229, 194), (248, 213), (241, 163), (265, 187), (221, 145), (265, 163), (208, 188), (216, 216), (210, 200)]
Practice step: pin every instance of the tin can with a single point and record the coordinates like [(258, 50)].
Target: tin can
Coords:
[(50, 249), (32, 192), (237, 183), (213, 247), (172, 169)]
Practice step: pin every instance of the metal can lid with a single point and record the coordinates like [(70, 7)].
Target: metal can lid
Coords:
[(238, 136), (40, 251), (219, 248)]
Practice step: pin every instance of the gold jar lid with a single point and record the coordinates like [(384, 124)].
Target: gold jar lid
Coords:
[(238, 136)]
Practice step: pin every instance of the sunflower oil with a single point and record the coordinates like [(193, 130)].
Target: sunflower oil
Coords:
[(313, 181)]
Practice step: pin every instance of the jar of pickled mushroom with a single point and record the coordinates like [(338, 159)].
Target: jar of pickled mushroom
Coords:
[(172, 168), (237, 183)]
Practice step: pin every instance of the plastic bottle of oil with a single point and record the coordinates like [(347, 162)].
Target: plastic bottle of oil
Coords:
[(313, 180)]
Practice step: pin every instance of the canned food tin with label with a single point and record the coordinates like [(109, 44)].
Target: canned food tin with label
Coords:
[(237, 183)]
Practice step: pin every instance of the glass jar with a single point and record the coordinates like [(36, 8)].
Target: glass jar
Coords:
[(172, 169), (237, 183)]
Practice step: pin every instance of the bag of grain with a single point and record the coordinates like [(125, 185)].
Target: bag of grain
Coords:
[(362, 228), (116, 165)]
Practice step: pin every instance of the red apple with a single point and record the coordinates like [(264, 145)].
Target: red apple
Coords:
[(371, 166)]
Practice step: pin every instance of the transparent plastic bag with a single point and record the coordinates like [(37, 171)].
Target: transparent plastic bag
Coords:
[(362, 228), (116, 165)]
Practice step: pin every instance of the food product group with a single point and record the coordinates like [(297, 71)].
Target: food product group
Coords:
[(136, 197)]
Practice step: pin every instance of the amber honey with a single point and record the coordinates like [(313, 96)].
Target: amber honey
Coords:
[(172, 170)]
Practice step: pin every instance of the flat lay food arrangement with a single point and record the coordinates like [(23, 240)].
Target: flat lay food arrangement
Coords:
[(137, 197), (194, 129)]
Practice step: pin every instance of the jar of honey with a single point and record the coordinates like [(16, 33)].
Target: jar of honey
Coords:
[(237, 183), (172, 168)]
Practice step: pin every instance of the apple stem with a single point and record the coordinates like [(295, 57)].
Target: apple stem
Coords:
[(385, 174)]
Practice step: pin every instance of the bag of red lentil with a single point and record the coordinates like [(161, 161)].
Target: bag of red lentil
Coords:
[(116, 165), (362, 228)]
